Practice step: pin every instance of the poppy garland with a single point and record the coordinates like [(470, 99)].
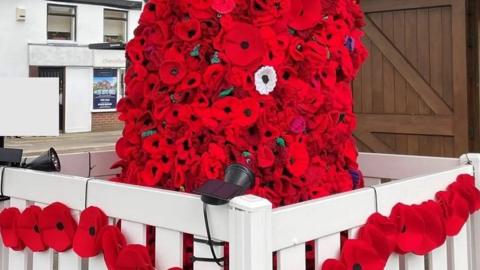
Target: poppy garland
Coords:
[(417, 229), (262, 83), (54, 227)]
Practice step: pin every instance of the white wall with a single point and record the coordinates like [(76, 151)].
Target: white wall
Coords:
[(15, 36), (78, 97)]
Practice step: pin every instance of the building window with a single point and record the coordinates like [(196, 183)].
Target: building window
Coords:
[(61, 21), (115, 26)]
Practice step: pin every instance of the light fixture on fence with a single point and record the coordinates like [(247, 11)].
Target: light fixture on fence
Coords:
[(46, 162), (238, 179)]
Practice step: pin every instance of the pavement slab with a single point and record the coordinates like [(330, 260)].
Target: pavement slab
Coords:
[(66, 143)]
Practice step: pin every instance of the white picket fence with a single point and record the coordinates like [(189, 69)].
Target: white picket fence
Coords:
[(254, 231)]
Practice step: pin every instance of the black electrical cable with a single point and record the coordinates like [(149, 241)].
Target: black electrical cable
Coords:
[(210, 243)]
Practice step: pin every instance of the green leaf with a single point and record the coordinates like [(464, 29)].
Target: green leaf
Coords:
[(215, 58), (281, 142), (148, 133), (196, 51), (227, 92), (246, 154)]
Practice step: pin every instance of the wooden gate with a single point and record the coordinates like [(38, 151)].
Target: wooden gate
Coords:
[(411, 94)]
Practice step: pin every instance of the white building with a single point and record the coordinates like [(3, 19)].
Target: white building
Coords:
[(51, 39)]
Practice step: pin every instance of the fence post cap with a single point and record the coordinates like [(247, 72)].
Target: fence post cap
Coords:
[(250, 203)]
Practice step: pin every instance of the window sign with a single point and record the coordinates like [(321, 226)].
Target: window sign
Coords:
[(105, 85)]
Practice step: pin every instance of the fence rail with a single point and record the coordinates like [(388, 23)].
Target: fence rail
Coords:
[(253, 229)]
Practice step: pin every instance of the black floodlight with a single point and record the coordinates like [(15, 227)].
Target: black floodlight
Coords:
[(46, 162), (238, 179)]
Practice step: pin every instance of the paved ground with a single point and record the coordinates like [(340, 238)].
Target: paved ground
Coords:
[(66, 143)]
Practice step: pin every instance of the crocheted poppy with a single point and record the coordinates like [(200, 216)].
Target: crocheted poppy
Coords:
[(112, 241), (86, 242), (134, 257), (435, 234), (188, 30), (455, 211), (223, 6), (243, 44), (248, 113), (8, 229), (358, 254), (465, 186), (410, 228), (305, 14), (332, 264), (28, 229), (297, 159), (172, 72), (376, 238), (57, 226)]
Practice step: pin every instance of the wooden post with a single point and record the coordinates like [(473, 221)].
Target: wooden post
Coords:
[(250, 233)]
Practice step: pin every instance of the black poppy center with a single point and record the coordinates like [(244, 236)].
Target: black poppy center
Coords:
[(191, 33), (247, 112), (156, 144), (154, 170), (265, 79), (299, 47), (165, 159), (404, 229), (174, 71), (227, 110), (245, 45), (36, 229), (60, 226), (151, 7), (91, 231), (286, 75), (357, 266)]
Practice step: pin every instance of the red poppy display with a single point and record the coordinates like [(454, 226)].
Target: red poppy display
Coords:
[(86, 242), (435, 234), (455, 211), (57, 226), (28, 229), (358, 254), (250, 82), (134, 257)]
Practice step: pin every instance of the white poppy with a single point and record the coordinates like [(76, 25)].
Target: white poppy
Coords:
[(265, 80)]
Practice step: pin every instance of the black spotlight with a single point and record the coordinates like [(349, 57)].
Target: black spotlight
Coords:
[(46, 162), (238, 179)]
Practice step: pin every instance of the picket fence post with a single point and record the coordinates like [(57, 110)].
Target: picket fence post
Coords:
[(250, 233), (474, 228)]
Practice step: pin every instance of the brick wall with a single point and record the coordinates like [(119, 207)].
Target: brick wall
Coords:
[(106, 121)]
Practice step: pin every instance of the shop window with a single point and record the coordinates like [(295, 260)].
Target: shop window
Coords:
[(115, 25), (61, 22)]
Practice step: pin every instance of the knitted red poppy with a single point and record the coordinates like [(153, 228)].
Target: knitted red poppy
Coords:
[(243, 45), (358, 254), (133, 257), (455, 210), (86, 242), (465, 186), (28, 229), (57, 226), (410, 228), (112, 242), (8, 229), (435, 234)]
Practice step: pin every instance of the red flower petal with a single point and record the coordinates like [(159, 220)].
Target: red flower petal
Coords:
[(410, 227), (223, 6), (8, 229), (57, 226), (455, 211), (332, 264), (374, 235), (305, 14), (465, 186), (297, 159), (358, 254), (112, 242), (86, 242), (134, 257), (28, 229), (172, 72), (188, 30), (435, 234)]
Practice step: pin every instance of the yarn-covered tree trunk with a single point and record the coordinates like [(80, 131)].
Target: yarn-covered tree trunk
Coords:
[(264, 83)]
